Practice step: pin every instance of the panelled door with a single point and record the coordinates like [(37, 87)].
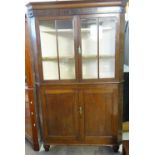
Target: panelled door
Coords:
[(99, 114), (60, 112)]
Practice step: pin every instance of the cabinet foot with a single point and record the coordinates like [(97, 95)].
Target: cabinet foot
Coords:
[(115, 147), (36, 147), (46, 147)]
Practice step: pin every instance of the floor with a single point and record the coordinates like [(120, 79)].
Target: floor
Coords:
[(75, 150)]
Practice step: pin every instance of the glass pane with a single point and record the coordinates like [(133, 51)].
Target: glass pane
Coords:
[(89, 69), (49, 50), (50, 70), (89, 48), (107, 30), (67, 69), (48, 38), (107, 67), (66, 49)]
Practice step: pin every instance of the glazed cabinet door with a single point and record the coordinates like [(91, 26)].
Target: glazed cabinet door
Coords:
[(57, 49), (99, 114), (97, 47), (60, 115)]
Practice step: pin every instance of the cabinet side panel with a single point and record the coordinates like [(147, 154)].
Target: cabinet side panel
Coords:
[(120, 44), (28, 127), (120, 112), (31, 86), (33, 47)]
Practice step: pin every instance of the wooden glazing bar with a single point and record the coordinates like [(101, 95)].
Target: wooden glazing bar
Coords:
[(57, 48)]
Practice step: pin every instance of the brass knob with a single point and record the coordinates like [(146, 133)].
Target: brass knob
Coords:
[(80, 110)]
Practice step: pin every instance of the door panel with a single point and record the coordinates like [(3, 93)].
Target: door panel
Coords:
[(99, 119), (60, 112)]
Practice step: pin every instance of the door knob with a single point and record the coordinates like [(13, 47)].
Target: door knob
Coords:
[(80, 110)]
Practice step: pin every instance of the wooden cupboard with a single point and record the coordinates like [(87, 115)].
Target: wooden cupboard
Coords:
[(77, 50), (31, 130)]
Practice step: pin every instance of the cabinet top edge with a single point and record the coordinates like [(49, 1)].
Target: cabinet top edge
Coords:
[(74, 4)]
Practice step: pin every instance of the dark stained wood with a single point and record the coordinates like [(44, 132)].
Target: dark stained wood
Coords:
[(28, 65), (75, 8), (28, 127), (76, 44), (34, 123), (79, 45), (34, 49), (75, 4), (88, 131), (31, 131), (120, 112), (46, 147), (125, 147), (77, 11), (121, 43), (115, 148), (98, 69), (120, 46), (57, 50), (79, 111)]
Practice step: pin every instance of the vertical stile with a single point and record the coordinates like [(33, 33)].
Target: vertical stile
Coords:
[(98, 45), (79, 45), (75, 27), (57, 49)]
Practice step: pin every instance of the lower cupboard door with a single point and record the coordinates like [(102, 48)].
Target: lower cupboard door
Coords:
[(60, 116), (100, 115)]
